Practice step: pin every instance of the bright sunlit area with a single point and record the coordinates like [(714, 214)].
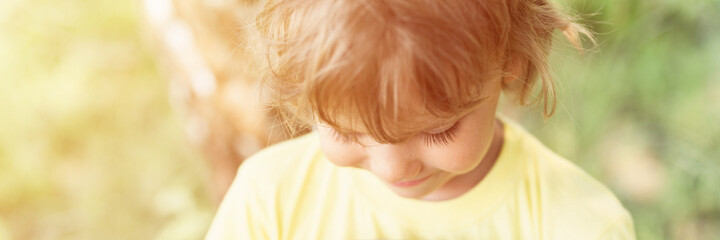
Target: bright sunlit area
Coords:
[(113, 125)]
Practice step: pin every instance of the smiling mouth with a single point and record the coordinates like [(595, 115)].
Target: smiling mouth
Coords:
[(410, 183)]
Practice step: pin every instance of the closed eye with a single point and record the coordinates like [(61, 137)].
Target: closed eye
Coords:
[(431, 139), (342, 137), (443, 138)]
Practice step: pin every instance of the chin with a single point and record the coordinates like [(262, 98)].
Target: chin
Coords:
[(410, 193)]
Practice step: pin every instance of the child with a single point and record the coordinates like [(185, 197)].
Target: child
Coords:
[(406, 143)]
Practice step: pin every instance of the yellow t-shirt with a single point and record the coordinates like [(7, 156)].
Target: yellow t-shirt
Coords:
[(290, 191)]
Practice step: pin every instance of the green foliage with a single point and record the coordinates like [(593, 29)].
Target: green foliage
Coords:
[(648, 101)]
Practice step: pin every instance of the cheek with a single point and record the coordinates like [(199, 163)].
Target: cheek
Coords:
[(338, 153), (462, 155), (455, 160)]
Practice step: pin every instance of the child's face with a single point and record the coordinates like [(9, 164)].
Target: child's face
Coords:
[(437, 164)]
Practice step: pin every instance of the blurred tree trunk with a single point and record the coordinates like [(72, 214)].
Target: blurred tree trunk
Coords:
[(210, 54)]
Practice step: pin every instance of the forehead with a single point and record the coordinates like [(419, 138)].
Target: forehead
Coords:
[(407, 113), (390, 129)]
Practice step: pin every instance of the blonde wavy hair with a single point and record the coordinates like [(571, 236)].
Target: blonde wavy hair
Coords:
[(369, 60)]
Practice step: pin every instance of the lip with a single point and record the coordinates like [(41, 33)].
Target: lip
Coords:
[(410, 183)]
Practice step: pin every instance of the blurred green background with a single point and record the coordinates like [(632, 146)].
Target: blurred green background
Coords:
[(90, 148)]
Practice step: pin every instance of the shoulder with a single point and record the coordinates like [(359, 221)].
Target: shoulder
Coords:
[(579, 201), (251, 205), (280, 160), (570, 203), (269, 175)]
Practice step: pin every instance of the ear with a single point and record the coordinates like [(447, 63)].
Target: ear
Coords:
[(515, 71)]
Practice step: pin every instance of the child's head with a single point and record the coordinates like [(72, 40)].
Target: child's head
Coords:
[(374, 61), (397, 69)]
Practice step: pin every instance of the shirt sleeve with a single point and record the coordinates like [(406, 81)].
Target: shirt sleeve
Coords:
[(622, 229), (239, 215)]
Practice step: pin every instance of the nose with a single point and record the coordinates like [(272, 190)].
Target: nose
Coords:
[(394, 162)]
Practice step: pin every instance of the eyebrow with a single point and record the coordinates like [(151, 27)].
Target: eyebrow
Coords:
[(345, 134), (443, 127)]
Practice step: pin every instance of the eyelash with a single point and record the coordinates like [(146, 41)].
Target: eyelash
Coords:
[(438, 139), (443, 138), (341, 137)]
